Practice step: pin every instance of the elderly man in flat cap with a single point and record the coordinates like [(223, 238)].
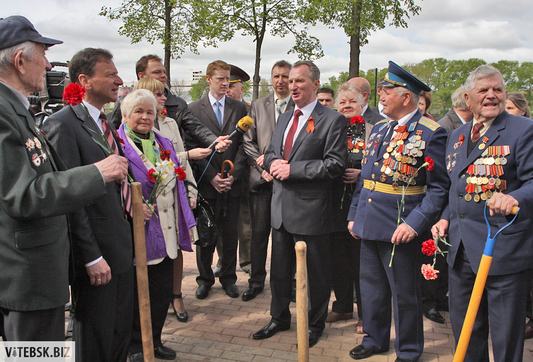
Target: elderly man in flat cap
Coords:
[(34, 196), (395, 202)]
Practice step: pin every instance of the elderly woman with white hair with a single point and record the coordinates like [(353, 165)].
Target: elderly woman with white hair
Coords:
[(344, 248), (168, 219)]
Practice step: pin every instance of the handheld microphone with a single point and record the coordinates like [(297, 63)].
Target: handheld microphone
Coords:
[(243, 126)]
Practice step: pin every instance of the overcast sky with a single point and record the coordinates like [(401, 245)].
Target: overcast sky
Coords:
[(453, 29)]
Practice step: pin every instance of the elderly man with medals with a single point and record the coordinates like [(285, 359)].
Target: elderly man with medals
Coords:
[(490, 159), (401, 189)]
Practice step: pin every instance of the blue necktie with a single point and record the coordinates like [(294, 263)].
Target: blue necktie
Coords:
[(218, 113)]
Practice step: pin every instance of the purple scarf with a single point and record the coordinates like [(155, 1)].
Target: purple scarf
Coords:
[(155, 242)]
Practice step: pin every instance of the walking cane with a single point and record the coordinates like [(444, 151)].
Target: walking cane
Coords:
[(479, 286), (142, 272), (302, 317)]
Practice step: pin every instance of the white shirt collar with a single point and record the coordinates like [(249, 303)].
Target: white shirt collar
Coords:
[(307, 110), (212, 100), (94, 113)]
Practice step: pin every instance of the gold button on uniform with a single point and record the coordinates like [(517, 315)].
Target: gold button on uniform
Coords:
[(369, 201)]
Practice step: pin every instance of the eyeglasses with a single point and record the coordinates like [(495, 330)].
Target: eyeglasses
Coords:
[(159, 94)]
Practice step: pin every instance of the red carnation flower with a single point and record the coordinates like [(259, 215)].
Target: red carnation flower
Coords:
[(150, 175), (165, 155), (431, 164), (181, 173), (429, 247), (357, 120), (73, 94), (428, 272)]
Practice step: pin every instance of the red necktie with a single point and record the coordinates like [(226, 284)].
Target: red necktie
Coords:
[(125, 186), (107, 132), (290, 136), (475, 132)]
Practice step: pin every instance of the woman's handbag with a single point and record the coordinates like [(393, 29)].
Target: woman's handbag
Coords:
[(205, 221)]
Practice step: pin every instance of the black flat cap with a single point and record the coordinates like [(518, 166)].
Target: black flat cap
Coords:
[(17, 29)]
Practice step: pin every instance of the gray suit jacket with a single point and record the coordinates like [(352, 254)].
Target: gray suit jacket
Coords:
[(233, 112), (100, 228), (257, 139), (450, 121), (304, 202), (34, 246)]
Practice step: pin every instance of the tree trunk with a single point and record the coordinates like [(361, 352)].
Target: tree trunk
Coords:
[(257, 78), (258, 45), (355, 42), (168, 11)]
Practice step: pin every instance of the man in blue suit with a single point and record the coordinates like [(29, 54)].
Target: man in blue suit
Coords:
[(490, 158), (393, 173)]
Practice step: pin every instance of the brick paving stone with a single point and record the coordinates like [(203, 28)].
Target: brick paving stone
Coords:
[(220, 329)]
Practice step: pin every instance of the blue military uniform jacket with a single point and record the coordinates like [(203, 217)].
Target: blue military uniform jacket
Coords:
[(386, 171), (502, 160)]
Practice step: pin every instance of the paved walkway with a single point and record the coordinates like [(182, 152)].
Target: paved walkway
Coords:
[(220, 329)]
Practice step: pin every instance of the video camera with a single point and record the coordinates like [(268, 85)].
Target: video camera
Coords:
[(50, 99)]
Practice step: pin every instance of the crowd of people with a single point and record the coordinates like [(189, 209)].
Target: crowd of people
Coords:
[(368, 190)]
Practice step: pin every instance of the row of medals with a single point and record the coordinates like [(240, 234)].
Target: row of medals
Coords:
[(405, 158), (483, 181)]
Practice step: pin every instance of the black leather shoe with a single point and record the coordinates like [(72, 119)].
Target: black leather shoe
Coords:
[(182, 317), (434, 315), (361, 352), (313, 337), (251, 292), (163, 352), (403, 360), (231, 290), (270, 329), (202, 292), (137, 357)]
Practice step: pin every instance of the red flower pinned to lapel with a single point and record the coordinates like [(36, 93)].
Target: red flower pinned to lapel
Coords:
[(73, 94), (310, 125)]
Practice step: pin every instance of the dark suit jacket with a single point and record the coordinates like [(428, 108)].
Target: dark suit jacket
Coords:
[(303, 203), (100, 228), (179, 111), (233, 112), (257, 139), (371, 117), (34, 245), (513, 251), (450, 121)]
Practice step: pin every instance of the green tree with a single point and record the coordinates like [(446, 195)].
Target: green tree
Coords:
[(177, 24), (257, 17), (264, 88), (334, 82), (358, 18), (199, 89)]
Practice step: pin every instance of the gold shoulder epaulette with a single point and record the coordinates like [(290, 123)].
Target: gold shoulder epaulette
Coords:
[(429, 123)]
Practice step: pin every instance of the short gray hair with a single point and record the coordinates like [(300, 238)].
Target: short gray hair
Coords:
[(350, 88), (458, 99), (483, 71), (7, 55), (313, 69), (414, 97), (136, 98)]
